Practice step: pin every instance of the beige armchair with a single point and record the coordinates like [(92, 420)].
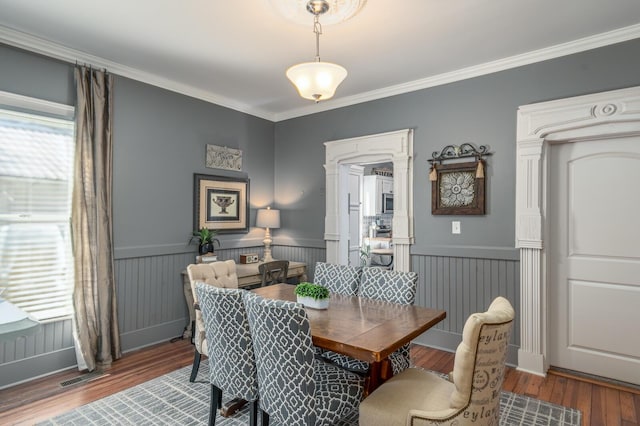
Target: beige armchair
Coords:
[(218, 274), (471, 397)]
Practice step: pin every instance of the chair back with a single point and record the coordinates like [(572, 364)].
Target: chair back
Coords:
[(390, 286), (218, 274), (284, 354), (480, 360), (274, 272), (396, 287), (232, 365), (340, 279)]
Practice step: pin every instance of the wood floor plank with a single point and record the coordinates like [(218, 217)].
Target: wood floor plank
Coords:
[(558, 390), (612, 400), (628, 408), (583, 402), (598, 406)]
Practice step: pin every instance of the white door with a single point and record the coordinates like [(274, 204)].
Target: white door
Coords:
[(594, 257), (355, 214)]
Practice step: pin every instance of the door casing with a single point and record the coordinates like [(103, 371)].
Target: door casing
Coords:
[(572, 120)]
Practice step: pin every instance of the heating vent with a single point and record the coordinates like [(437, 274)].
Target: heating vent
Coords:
[(83, 379)]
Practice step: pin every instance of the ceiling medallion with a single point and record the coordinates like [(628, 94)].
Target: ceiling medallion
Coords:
[(296, 10)]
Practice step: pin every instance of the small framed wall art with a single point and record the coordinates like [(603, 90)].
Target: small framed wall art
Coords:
[(220, 203), (457, 190)]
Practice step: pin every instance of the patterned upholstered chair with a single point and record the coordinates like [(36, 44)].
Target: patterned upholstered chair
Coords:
[(218, 274), (340, 279), (471, 397), (295, 387), (232, 365), (389, 286), (274, 272)]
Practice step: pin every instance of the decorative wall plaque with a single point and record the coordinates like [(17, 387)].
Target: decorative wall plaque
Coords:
[(221, 157), (458, 188)]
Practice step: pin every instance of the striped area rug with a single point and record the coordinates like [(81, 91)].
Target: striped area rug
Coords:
[(172, 400)]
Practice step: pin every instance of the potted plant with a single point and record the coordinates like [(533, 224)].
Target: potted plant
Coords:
[(205, 240), (312, 295)]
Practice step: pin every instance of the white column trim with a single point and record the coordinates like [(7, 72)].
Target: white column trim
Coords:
[(582, 118), (393, 146)]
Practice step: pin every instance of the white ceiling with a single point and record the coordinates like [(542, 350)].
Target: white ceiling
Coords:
[(235, 52)]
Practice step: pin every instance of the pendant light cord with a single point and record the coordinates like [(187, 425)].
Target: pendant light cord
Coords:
[(317, 29)]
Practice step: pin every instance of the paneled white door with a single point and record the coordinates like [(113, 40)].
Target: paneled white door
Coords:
[(594, 257)]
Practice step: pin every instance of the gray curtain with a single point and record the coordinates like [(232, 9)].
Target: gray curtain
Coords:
[(94, 297)]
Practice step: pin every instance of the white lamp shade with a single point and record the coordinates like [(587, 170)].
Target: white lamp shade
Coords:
[(316, 80), (268, 218)]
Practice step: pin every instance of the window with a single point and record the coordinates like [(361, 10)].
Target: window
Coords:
[(36, 165)]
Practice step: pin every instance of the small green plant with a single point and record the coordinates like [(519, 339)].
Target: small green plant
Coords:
[(205, 239), (315, 291)]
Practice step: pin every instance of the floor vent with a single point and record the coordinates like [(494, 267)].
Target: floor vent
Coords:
[(82, 379)]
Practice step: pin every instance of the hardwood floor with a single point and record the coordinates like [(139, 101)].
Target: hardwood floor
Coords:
[(26, 404)]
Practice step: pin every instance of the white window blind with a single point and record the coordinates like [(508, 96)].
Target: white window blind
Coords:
[(36, 165)]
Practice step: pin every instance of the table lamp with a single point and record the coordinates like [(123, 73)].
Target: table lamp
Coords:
[(269, 219)]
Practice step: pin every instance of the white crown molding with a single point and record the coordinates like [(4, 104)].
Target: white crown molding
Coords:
[(564, 49), (57, 51)]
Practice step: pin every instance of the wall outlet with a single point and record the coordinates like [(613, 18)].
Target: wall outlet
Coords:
[(455, 227)]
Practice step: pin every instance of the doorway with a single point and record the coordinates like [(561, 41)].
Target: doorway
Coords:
[(582, 145), (395, 147)]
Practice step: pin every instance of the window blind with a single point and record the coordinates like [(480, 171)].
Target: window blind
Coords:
[(36, 164)]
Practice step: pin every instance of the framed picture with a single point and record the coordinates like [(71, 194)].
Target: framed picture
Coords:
[(457, 190), (220, 203)]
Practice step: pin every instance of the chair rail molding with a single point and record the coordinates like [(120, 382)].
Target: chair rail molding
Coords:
[(394, 146), (582, 118)]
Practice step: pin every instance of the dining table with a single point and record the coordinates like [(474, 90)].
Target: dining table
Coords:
[(366, 329)]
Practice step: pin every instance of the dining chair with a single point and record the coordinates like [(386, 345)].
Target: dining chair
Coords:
[(232, 365), (295, 387), (274, 272), (389, 286), (340, 279), (471, 394), (218, 274)]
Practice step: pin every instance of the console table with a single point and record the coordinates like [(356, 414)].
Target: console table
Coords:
[(248, 277)]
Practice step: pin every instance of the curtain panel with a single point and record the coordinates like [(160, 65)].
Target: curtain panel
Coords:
[(95, 320)]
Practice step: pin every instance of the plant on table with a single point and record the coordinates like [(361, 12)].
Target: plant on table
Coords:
[(206, 240), (314, 291)]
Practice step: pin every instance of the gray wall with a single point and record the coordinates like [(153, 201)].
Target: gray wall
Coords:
[(159, 143), (482, 111)]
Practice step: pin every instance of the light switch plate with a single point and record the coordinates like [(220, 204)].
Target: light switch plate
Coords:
[(455, 227)]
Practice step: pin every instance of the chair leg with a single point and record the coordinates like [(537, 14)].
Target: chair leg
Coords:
[(253, 413), (196, 366), (216, 398), (219, 401), (265, 418)]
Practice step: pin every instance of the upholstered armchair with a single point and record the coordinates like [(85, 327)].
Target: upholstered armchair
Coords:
[(295, 387), (232, 364), (340, 279), (470, 397), (218, 274)]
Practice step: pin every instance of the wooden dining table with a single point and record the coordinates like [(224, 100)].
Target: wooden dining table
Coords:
[(365, 329)]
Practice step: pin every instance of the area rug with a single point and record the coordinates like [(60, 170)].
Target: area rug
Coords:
[(172, 400)]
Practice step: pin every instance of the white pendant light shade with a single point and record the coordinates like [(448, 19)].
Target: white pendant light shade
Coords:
[(316, 81)]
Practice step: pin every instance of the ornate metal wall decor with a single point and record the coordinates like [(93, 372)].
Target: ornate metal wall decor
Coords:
[(221, 157), (458, 188)]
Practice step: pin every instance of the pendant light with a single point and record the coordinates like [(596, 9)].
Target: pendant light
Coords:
[(316, 80)]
